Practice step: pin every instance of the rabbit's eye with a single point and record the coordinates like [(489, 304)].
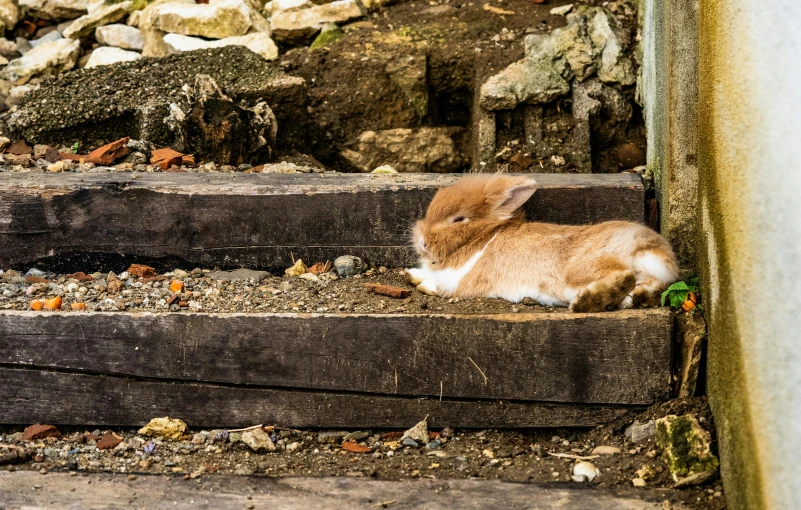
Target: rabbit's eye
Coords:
[(459, 219)]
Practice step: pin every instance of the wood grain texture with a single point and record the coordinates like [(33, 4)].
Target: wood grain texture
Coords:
[(606, 358), (31, 396), (60, 491), (258, 220)]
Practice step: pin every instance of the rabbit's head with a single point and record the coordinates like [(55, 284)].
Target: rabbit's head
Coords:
[(468, 213)]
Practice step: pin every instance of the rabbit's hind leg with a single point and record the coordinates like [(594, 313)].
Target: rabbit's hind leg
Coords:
[(611, 284)]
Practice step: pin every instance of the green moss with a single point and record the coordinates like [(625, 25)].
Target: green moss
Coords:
[(685, 445), (330, 34)]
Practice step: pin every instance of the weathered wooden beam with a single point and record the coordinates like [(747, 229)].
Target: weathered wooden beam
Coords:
[(30, 396), (259, 220), (108, 490), (607, 358)]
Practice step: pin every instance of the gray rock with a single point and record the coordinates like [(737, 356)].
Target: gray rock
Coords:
[(640, 432), (410, 442), (239, 275), (55, 10), (299, 26), (593, 41), (120, 36), (525, 81), (23, 45), (349, 265), (607, 34), (407, 150), (356, 436), (331, 436), (258, 440), (36, 272)]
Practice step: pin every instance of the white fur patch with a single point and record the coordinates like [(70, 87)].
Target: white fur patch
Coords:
[(445, 281), (518, 294), (654, 265)]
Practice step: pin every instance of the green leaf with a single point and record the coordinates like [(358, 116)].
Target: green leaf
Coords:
[(678, 286)]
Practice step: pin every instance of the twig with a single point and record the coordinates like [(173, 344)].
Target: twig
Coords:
[(385, 503), (571, 456), (11, 447), (248, 428), (479, 369), (440, 391)]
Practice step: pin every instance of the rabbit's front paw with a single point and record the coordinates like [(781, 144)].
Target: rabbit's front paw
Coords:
[(428, 288), (415, 276)]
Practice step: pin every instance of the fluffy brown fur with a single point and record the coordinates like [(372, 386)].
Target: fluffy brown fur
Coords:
[(475, 242)]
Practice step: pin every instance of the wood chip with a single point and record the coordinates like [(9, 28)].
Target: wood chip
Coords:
[(388, 290), (355, 447), (571, 456), (497, 10)]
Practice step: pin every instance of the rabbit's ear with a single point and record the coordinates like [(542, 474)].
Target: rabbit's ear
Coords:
[(514, 196)]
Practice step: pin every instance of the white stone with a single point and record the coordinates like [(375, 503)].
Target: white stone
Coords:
[(7, 47), (259, 42), (562, 10), (271, 8), (227, 18), (9, 14), (585, 471), (98, 17), (16, 94), (120, 36), (153, 37), (605, 450), (304, 23), (384, 169), (46, 59), (50, 36), (106, 55), (133, 19), (55, 9)]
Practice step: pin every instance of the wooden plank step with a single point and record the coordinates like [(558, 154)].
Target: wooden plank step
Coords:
[(332, 370), (66, 398), (228, 492), (605, 358), (259, 220)]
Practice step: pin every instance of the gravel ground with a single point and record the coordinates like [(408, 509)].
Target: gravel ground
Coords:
[(204, 291), (522, 456)]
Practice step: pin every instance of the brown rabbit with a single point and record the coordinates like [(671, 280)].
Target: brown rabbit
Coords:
[(475, 242)]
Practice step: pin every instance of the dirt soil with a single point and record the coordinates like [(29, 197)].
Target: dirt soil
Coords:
[(266, 293), (351, 92), (520, 456)]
